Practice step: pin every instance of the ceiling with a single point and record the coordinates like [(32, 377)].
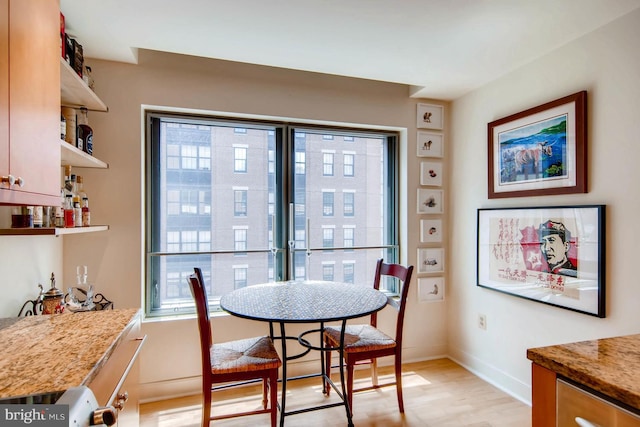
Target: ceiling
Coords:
[(441, 48)]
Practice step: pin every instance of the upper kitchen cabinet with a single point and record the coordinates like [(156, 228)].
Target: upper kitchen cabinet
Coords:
[(30, 102)]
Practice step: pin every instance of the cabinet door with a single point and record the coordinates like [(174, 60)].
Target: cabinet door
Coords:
[(4, 87), (34, 101)]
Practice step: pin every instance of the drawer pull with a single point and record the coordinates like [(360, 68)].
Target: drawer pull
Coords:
[(584, 423)]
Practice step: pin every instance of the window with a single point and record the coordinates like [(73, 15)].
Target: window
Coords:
[(348, 200), (189, 192), (240, 159), (327, 203), (349, 233), (327, 164), (348, 164), (240, 203)]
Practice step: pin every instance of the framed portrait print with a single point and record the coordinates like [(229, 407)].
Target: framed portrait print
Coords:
[(430, 201), (430, 260), (431, 230), (430, 289), (553, 255), (540, 151), (430, 144), (429, 116), (431, 173)]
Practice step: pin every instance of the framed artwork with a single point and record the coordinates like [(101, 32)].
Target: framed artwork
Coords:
[(430, 260), (431, 173), (429, 116), (431, 230), (540, 151), (430, 289), (552, 255), (430, 201), (430, 144)]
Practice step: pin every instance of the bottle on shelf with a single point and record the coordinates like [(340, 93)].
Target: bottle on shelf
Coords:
[(38, 220), (59, 211), (86, 213), (85, 133), (69, 213), (71, 123)]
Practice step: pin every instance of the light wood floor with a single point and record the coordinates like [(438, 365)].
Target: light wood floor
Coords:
[(437, 393)]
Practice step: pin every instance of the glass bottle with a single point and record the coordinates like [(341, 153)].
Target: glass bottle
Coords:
[(85, 133), (59, 211), (77, 214), (69, 213), (86, 213)]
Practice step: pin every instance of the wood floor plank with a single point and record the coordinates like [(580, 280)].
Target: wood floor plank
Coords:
[(437, 393)]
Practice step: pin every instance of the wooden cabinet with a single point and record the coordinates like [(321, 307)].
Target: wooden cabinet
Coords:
[(117, 381), (30, 101), (579, 407)]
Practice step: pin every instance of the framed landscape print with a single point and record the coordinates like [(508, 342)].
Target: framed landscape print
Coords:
[(553, 255), (540, 151), (431, 173), (430, 201), (429, 116), (430, 260), (430, 144)]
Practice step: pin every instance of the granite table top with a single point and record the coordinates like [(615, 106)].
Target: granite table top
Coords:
[(610, 366), (50, 353)]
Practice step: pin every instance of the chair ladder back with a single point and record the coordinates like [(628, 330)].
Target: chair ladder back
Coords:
[(405, 276), (376, 285), (204, 326)]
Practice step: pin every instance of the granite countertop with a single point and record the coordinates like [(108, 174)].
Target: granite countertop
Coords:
[(47, 353), (610, 365)]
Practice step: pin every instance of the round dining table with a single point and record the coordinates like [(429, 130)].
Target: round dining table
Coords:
[(305, 301)]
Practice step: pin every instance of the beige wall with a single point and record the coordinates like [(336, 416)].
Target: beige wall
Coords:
[(170, 359), (606, 64)]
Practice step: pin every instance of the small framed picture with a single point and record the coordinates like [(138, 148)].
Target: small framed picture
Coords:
[(430, 289), (430, 230), (430, 144), (431, 174), (430, 260), (429, 116), (430, 201)]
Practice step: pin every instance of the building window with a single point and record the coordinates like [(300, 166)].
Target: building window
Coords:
[(327, 272), (327, 164), (240, 203), (240, 241), (240, 159), (189, 190), (327, 203), (239, 277), (349, 239), (348, 200), (348, 272), (327, 238), (348, 165)]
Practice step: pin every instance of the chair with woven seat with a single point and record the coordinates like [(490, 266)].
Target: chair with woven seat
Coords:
[(233, 362), (363, 344)]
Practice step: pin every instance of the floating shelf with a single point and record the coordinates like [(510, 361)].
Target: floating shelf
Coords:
[(74, 92), (51, 231), (71, 156)]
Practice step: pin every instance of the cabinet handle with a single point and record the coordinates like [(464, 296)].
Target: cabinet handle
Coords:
[(584, 423), (12, 180), (123, 397)]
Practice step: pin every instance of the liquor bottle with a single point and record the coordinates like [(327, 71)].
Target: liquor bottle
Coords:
[(69, 213), (77, 214), (85, 133), (86, 213), (80, 188), (59, 211)]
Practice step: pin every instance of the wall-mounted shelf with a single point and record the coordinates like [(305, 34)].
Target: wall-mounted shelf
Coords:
[(74, 92), (71, 156), (51, 231)]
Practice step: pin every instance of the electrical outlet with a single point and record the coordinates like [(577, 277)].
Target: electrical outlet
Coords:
[(482, 321)]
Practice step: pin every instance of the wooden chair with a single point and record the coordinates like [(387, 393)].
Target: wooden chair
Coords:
[(235, 361), (363, 344)]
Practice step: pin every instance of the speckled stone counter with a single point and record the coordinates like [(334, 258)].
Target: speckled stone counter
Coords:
[(47, 353), (610, 365)]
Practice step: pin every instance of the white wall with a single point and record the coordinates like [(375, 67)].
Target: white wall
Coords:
[(606, 63), (170, 359)]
